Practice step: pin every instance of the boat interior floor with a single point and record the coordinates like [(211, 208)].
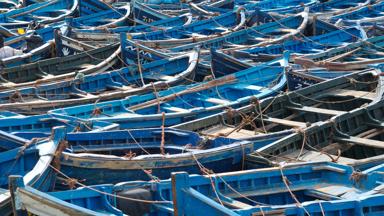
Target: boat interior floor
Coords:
[(281, 196)]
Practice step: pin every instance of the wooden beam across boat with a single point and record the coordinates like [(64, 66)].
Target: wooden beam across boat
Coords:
[(285, 122), (353, 93), (317, 110), (361, 141)]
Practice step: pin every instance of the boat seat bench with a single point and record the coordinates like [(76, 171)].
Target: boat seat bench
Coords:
[(354, 93), (285, 122), (216, 101), (235, 204), (248, 87), (160, 77), (362, 141), (316, 110)]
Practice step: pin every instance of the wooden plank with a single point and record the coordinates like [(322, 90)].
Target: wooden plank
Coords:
[(248, 87), (320, 195), (335, 190), (381, 125), (236, 204), (285, 122), (317, 110), (175, 109), (371, 133), (217, 101), (224, 130), (159, 77), (353, 93), (362, 141), (313, 156), (83, 95), (4, 195)]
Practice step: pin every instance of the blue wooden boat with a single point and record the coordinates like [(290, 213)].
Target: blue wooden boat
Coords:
[(260, 35), (326, 9), (35, 45), (30, 127), (181, 20), (368, 15), (290, 188), (354, 56), (197, 8), (87, 7), (301, 78), (322, 9), (5, 6), (49, 12), (173, 3), (295, 110), (225, 61), (42, 13), (130, 48), (222, 24), (302, 46), (59, 68), (209, 9), (233, 20), (116, 84), (121, 14), (248, 192), (160, 2), (30, 160), (143, 14), (111, 18), (280, 6), (115, 156), (297, 78), (9, 141), (189, 102), (353, 138)]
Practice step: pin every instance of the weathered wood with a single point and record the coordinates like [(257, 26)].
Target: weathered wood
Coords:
[(353, 93), (316, 110), (362, 141), (222, 130), (217, 101), (285, 122), (235, 204)]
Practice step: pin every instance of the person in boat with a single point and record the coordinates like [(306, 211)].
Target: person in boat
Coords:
[(7, 51)]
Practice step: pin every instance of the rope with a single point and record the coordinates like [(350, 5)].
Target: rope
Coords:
[(157, 97), (242, 156), (139, 66), (204, 170), (208, 173), (245, 123), (304, 142), (137, 143), (162, 134), (261, 117), (286, 183), (20, 153)]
